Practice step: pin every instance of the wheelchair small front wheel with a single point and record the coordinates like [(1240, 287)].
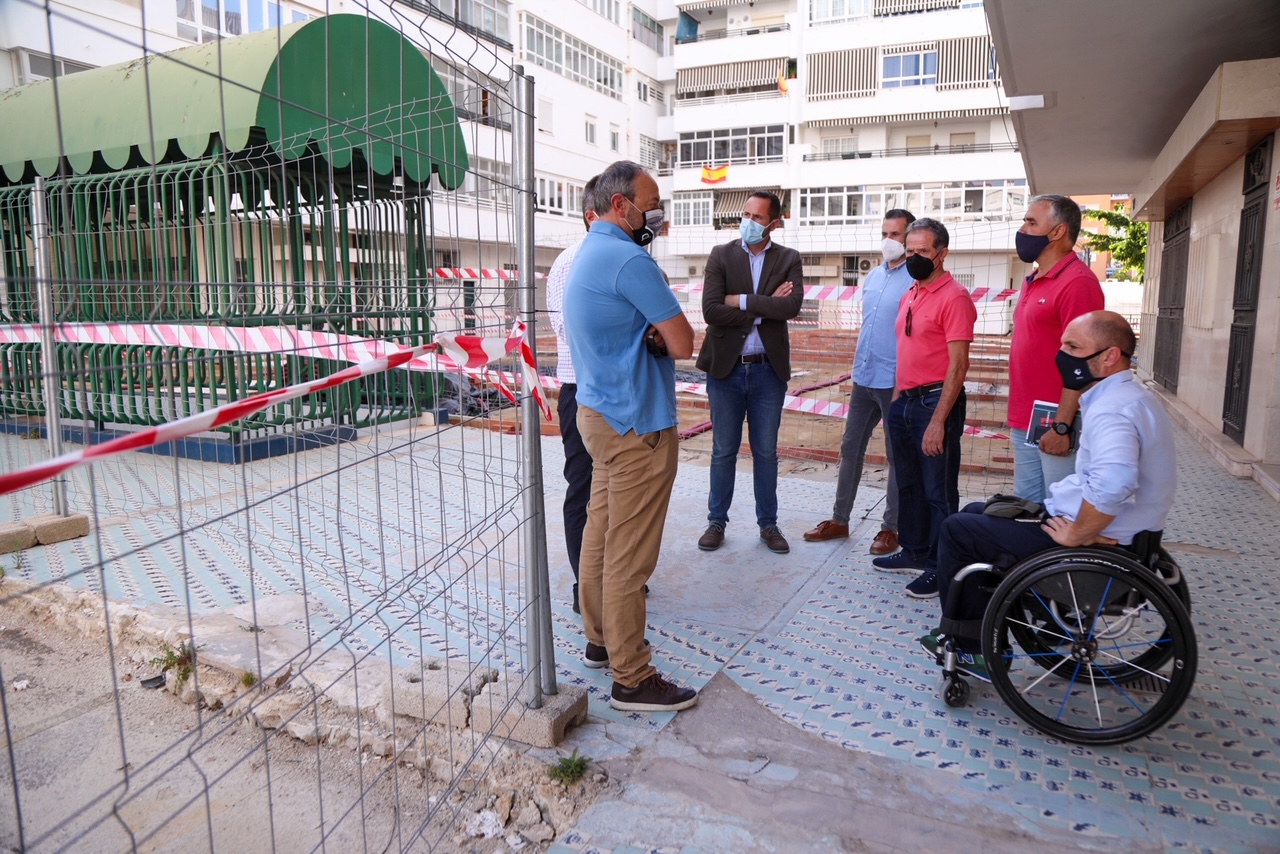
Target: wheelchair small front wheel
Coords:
[(956, 692)]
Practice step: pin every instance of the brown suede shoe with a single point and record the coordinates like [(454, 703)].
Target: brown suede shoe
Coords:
[(713, 538), (774, 540), (828, 530), (885, 543)]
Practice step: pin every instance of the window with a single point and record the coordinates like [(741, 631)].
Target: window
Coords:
[(838, 11), (544, 115), (909, 69), (840, 145), (691, 209), (918, 141), (611, 9), (615, 138), (735, 145), (591, 129), (199, 21), (646, 30), (553, 49), (650, 151), (967, 200), (475, 96), (488, 16), (557, 196), (487, 182), (642, 90), (207, 20), (963, 139), (39, 66)]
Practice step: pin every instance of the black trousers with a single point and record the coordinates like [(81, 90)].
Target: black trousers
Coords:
[(970, 537), (577, 474)]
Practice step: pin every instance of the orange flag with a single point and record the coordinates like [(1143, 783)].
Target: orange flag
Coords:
[(782, 80), (714, 175)]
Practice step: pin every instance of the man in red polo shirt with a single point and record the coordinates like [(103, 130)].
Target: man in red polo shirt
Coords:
[(1061, 289), (926, 418)]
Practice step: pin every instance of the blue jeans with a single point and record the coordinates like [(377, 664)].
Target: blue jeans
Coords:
[(1035, 471), (756, 393), (928, 487)]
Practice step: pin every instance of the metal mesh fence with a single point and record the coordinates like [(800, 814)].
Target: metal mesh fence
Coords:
[(332, 588)]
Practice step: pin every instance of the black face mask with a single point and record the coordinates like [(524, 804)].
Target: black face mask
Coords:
[(920, 267), (1074, 370)]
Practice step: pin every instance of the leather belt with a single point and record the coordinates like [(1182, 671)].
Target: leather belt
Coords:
[(754, 359), (922, 390)]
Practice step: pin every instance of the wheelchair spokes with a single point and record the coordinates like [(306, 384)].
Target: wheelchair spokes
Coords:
[(1089, 651)]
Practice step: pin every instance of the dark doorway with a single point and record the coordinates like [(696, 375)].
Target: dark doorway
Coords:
[(1173, 297), (1253, 217)]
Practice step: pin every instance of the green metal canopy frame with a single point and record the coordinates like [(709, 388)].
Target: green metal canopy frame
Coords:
[(345, 83)]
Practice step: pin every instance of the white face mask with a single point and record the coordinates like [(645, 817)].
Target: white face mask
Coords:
[(892, 250)]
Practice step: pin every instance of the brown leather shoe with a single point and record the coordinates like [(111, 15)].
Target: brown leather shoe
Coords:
[(885, 543), (828, 530), (774, 540), (713, 538)]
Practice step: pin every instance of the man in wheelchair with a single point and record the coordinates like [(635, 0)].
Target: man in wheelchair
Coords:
[(1122, 488)]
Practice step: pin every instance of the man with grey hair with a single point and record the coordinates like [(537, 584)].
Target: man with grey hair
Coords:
[(1060, 289), (926, 419), (577, 462), (625, 328)]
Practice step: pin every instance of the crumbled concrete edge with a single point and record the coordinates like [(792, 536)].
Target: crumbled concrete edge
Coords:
[(41, 530), (276, 678)]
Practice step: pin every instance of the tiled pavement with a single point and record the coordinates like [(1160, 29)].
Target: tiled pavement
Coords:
[(817, 637)]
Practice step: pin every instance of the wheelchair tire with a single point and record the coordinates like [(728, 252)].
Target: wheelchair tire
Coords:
[(956, 692), (1033, 638), (1106, 691)]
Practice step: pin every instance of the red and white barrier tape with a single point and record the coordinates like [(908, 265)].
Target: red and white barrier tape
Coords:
[(808, 405), (466, 352), (479, 273)]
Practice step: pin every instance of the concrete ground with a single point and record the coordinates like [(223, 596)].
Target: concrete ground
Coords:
[(820, 726)]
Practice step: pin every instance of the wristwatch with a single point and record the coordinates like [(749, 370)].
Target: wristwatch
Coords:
[(1062, 428)]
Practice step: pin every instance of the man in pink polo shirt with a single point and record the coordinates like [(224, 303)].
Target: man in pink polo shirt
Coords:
[(1061, 289), (926, 418)]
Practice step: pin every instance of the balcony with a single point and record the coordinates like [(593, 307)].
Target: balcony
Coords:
[(733, 34), (915, 152)]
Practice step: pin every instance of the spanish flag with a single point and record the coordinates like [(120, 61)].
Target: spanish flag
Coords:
[(782, 80), (716, 175)]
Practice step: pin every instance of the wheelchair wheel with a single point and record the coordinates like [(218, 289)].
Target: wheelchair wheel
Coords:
[(1043, 632), (956, 692), (1089, 650)]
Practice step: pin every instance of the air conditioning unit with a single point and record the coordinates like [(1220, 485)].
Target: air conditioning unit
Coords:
[(694, 271), (865, 265)]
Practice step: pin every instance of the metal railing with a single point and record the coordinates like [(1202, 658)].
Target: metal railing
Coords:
[(715, 35), (763, 95), (916, 151)]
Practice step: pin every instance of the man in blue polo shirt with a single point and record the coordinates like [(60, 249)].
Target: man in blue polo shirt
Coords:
[(625, 327)]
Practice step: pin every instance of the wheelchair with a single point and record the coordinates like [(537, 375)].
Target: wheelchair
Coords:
[(1091, 645)]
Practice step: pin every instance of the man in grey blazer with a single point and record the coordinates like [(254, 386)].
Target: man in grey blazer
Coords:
[(751, 288)]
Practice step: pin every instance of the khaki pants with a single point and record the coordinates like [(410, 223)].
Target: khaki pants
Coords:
[(631, 480)]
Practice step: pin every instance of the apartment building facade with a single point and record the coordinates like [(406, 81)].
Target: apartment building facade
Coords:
[(845, 108)]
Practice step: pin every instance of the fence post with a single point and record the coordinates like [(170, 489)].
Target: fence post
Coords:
[(48, 348), (538, 639)]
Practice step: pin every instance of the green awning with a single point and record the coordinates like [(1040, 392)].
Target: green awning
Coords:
[(346, 83)]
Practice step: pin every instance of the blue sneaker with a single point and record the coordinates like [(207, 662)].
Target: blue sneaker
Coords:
[(925, 586)]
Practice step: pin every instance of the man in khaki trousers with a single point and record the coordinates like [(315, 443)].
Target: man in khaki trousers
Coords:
[(624, 327)]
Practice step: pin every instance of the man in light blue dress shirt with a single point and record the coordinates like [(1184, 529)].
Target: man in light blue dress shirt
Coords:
[(1126, 470), (874, 366)]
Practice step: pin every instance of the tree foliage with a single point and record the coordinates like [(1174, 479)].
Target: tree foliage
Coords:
[(1126, 240)]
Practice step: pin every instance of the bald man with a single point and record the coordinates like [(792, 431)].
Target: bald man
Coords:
[(1124, 479)]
